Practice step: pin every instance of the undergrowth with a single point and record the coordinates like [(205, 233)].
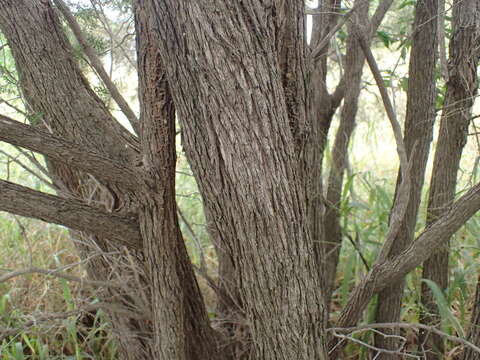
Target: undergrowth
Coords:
[(365, 207)]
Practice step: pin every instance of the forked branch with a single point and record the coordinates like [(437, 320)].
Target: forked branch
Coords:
[(395, 269), (97, 65)]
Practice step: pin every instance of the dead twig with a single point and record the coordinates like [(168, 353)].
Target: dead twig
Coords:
[(414, 326)]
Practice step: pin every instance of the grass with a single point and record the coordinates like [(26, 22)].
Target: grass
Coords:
[(365, 207)]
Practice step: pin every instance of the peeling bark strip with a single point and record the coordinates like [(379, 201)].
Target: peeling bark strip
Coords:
[(230, 97), (456, 117), (74, 214), (419, 120)]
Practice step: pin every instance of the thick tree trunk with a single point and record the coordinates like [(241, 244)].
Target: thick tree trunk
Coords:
[(418, 136), (241, 140), (461, 90)]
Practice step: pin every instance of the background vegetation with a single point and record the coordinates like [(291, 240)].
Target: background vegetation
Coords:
[(366, 203)]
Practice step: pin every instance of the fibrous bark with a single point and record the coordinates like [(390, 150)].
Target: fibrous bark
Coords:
[(72, 213), (241, 142), (418, 135), (461, 89), (181, 325), (61, 101), (354, 61)]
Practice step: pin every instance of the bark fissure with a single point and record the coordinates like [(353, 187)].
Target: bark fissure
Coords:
[(461, 89), (418, 134), (242, 152)]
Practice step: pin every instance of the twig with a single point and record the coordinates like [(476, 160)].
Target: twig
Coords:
[(406, 326), (97, 65), (203, 263), (359, 251), (31, 157), (403, 195), (28, 169), (23, 231), (8, 332), (57, 274)]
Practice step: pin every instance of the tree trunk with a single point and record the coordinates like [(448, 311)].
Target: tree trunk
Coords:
[(322, 106), (242, 135), (354, 61), (62, 102), (181, 324), (461, 91), (418, 135), (169, 318)]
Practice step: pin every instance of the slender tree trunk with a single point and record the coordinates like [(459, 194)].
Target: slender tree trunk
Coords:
[(322, 107), (419, 122), (242, 135), (461, 90), (354, 61), (181, 324)]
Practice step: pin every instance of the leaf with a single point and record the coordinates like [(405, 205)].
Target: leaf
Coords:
[(385, 37), (406, 3), (18, 351), (443, 307)]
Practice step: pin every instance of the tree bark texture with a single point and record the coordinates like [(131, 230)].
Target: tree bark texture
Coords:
[(461, 90), (322, 106), (420, 117), (181, 326), (242, 141), (354, 61), (62, 102)]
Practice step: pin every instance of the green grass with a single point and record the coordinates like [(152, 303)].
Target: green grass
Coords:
[(365, 206)]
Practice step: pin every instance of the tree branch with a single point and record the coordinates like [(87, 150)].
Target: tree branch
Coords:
[(71, 213), (97, 65), (431, 329), (419, 250), (375, 22), (57, 274), (324, 42), (55, 148), (401, 201), (378, 16), (27, 169)]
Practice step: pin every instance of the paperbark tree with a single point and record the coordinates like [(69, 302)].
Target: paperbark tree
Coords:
[(456, 117), (418, 134), (238, 76)]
